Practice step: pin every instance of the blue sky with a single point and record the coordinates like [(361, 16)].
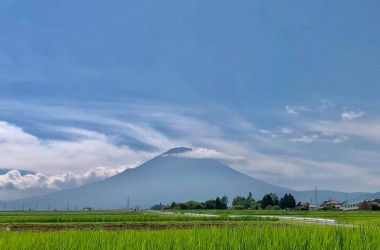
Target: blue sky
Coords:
[(285, 92)]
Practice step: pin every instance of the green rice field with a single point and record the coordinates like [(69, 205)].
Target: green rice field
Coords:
[(118, 230)]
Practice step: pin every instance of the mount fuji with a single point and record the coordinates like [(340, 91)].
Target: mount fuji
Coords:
[(171, 176)]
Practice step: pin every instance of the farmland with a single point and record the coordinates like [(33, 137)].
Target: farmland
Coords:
[(147, 230)]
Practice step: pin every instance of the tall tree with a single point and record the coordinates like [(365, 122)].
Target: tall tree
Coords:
[(267, 201), (292, 201), (218, 203), (224, 201), (287, 202), (275, 200)]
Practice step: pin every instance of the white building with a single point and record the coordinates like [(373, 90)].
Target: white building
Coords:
[(355, 205)]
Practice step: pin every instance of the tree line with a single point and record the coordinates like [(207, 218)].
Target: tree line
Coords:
[(269, 201)]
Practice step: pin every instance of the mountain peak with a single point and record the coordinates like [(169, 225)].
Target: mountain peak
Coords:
[(178, 150)]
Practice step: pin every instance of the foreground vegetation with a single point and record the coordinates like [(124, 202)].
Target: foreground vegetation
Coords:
[(241, 237), (109, 217), (148, 230)]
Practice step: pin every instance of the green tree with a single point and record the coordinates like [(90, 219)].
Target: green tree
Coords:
[(238, 200), (249, 202), (291, 202), (224, 201), (284, 201), (287, 202), (210, 204), (275, 200), (173, 205), (218, 203), (267, 201)]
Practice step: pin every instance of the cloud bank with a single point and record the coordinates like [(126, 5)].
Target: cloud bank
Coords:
[(14, 180), (81, 151)]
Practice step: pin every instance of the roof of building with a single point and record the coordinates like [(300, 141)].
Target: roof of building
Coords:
[(353, 202)]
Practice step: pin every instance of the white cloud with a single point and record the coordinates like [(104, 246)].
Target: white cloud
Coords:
[(351, 115), (340, 139), (291, 110), (306, 138), (368, 130), (286, 130), (264, 131), (87, 150), (296, 110), (14, 180), (202, 153)]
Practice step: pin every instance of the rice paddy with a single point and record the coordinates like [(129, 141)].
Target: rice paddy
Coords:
[(118, 230)]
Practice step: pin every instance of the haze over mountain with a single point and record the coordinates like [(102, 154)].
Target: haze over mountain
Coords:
[(171, 176)]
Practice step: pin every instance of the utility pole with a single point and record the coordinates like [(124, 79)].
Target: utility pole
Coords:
[(4, 205), (316, 196), (23, 206), (67, 208), (36, 207), (128, 203)]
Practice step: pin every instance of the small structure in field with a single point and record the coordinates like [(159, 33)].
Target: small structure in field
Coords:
[(87, 209), (355, 205), (333, 204), (303, 206), (314, 207)]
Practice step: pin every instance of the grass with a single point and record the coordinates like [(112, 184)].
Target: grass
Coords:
[(242, 237), (147, 230), (109, 217)]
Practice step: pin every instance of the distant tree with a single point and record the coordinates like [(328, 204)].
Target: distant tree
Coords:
[(157, 207), (218, 203), (173, 205), (375, 206), (291, 201), (284, 201), (287, 202), (210, 204), (224, 201), (194, 204), (183, 206), (238, 207), (238, 201), (267, 201), (275, 200), (248, 202)]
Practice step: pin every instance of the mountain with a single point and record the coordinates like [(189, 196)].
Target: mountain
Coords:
[(165, 178)]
